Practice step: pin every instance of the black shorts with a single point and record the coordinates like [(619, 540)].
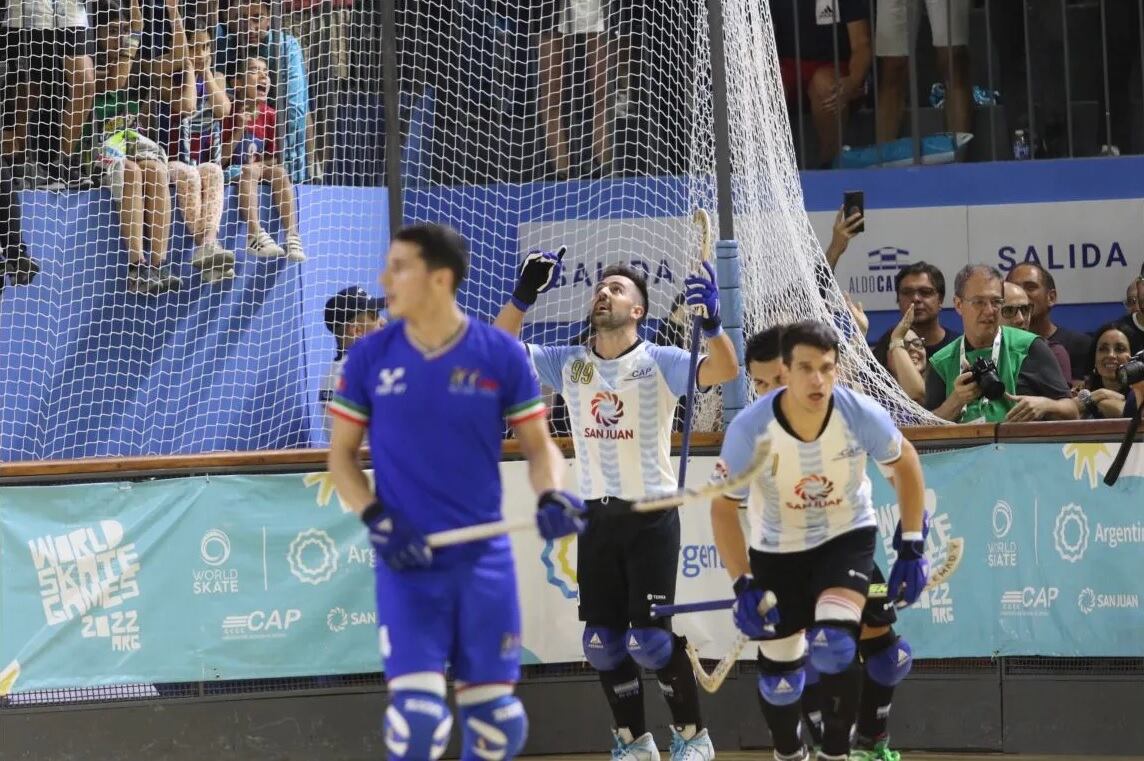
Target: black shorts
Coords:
[(798, 578), (876, 614), (624, 563), (37, 55)]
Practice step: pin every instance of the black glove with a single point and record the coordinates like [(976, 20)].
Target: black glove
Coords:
[(541, 270)]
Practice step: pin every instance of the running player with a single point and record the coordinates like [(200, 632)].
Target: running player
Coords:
[(886, 655), (621, 394), (434, 389), (812, 532)]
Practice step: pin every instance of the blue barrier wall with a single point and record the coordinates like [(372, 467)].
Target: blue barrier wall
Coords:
[(238, 366)]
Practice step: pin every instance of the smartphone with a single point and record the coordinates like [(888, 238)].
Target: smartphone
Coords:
[(854, 201)]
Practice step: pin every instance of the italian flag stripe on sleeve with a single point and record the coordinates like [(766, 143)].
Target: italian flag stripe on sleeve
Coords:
[(347, 410), (519, 413)]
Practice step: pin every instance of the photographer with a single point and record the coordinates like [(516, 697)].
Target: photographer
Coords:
[(994, 373)]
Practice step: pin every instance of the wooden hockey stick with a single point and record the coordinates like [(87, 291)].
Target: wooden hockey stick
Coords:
[(680, 498), (714, 680), (704, 222)]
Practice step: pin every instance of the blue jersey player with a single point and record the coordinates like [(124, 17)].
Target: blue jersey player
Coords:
[(811, 537), (434, 389)]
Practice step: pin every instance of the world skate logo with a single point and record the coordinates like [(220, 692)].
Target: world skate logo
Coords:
[(214, 548), (1070, 533), (607, 408), (313, 556), (1002, 519)]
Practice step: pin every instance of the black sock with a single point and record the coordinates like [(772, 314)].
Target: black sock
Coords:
[(677, 680), (624, 691), (840, 708), (783, 721), (874, 708), (812, 707)]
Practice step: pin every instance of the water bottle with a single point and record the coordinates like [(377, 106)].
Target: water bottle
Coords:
[(1020, 145)]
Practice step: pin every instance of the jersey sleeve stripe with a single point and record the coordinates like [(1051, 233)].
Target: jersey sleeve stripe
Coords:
[(526, 411), (347, 411)]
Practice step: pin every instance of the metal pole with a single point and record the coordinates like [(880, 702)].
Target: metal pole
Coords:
[(837, 77), (915, 119), (721, 118), (874, 73), (1068, 75), (1140, 37), (390, 95), (1030, 106), (1104, 74), (989, 77), (798, 86)]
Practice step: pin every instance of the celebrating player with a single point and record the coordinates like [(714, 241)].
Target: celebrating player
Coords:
[(434, 389), (885, 655), (812, 532), (621, 394)]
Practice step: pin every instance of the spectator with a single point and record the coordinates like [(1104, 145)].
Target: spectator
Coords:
[(830, 66), (845, 228), (321, 28), (350, 315), (1103, 396), (557, 23), (906, 357), (763, 358), (198, 169), (249, 156), (17, 266), (949, 22), (133, 165), (1034, 388), (283, 55), (1133, 321), (922, 286), (49, 48), (1016, 314), (1042, 290)]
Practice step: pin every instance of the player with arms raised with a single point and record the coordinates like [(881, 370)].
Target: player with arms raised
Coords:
[(434, 389), (812, 534), (621, 394)]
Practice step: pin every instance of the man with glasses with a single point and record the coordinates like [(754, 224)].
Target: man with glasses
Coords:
[(1041, 287), (1018, 311), (922, 286), (1034, 388)]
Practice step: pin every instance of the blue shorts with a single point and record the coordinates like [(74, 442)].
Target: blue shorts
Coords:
[(466, 614)]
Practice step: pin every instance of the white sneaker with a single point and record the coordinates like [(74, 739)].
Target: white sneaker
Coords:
[(294, 250), (640, 749), (211, 256), (698, 748), (261, 244)]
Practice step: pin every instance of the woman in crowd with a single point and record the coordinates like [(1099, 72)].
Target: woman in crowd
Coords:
[(1103, 396)]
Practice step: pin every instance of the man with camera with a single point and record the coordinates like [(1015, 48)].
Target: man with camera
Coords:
[(994, 373)]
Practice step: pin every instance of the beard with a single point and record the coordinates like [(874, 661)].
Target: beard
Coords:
[(609, 320)]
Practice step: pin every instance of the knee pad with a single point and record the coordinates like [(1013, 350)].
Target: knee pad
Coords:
[(494, 730), (417, 726), (812, 675), (888, 659), (781, 684), (832, 646), (604, 647), (650, 647)]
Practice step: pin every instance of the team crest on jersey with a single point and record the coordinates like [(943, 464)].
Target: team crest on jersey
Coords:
[(464, 380), (608, 409), (814, 491)]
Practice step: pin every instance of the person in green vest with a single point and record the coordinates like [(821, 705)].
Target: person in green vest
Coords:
[(1033, 386)]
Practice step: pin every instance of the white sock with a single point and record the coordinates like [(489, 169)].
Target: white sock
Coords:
[(687, 731), (625, 735)]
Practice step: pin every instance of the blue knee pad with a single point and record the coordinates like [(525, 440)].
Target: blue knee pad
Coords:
[(604, 647), (832, 647), (782, 689), (417, 726), (650, 647), (494, 730), (889, 666), (812, 675)]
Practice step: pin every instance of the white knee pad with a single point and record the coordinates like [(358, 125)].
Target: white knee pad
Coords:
[(785, 650)]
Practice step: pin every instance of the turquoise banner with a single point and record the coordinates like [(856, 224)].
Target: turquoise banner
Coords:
[(268, 575)]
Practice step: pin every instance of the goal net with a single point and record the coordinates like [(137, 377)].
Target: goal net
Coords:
[(169, 258)]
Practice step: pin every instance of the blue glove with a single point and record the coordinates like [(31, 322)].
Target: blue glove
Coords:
[(897, 540), (400, 545), (560, 513), (748, 599), (703, 299), (541, 270), (909, 574)]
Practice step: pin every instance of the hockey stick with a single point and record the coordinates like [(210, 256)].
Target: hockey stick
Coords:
[(714, 680), (700, 217), (703, 493)]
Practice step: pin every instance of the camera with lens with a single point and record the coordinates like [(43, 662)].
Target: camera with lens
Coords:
[(985, 376), (1132, 371)]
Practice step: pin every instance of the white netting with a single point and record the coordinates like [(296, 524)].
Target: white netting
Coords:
[(585, 123)]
